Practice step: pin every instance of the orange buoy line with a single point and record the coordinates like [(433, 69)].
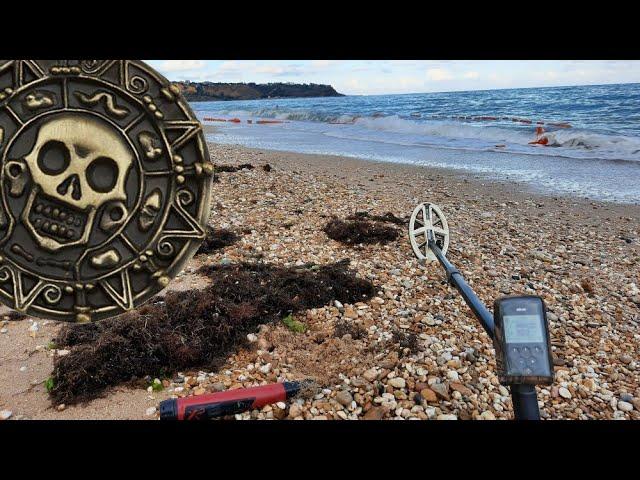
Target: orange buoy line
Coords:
[(237, 120), (524, 121)]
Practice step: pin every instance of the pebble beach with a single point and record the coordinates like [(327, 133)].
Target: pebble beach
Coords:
[(414, 351)]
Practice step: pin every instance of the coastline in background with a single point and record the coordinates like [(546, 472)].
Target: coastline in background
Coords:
[(592, 132), (210, 91)]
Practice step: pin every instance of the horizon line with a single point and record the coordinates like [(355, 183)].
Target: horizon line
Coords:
[(417, 93)]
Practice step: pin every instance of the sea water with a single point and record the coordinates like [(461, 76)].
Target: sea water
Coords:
[(592, 133)]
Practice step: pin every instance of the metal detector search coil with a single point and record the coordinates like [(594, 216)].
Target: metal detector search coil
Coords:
[(426, 219)]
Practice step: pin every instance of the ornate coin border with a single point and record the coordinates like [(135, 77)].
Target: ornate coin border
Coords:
[(135, 88)]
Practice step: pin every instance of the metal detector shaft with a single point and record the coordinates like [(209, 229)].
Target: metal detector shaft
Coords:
[(455, 277), (525, 402), (523, 397)]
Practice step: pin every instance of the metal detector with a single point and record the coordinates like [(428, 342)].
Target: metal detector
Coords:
[(518, 326)]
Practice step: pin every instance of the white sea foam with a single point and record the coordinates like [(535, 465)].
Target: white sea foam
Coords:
[(467, 135)]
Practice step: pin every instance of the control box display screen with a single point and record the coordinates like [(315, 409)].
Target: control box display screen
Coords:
[(523, 329), (521, 340)]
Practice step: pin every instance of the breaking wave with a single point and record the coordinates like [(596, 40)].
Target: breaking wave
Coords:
[(502, 133)]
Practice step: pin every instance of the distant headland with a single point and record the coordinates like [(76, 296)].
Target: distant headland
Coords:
[(208, 91)]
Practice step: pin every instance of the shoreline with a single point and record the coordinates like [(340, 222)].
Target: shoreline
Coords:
[(506, 241), (553, 175), (480, 180)]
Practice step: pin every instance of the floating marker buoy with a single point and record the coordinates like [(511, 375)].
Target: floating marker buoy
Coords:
[(207, 119), (267, 122), (234, 120)]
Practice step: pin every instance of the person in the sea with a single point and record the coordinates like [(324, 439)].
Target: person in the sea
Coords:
[(541, 138)]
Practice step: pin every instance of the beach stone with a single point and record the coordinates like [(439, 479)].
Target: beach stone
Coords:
[(443, 416), (350, 312), (428, 395), (487, 415), (265, 368), (441, 390), (471, 355), (344, 398), (388, 363), (371, 374), (626, 397), (218, 387), (375, 413), (626, 359), (149, 412), (358, 382), (397, 382), (625, 406), (453, 375), (5, 414), (277, 413), (458, 387), (564, 392), (295, 410), (542, 256)]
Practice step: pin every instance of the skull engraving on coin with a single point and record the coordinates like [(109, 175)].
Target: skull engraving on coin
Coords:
[(105, 186)]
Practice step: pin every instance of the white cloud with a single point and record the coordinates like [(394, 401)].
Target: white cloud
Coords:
[(471, 75), (321, 63), (270, 69), (439, 74), (181, 65), (230, 66)]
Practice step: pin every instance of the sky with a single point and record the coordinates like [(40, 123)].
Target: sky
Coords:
[(372, 77)]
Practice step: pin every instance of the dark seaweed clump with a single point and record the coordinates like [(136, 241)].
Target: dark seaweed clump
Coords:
[(344, 327), (233, 168), (354, 232), (386, 218), (13, 316), (216, 239), (193, 329)]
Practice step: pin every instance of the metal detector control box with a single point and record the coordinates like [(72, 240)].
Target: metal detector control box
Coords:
[(521, 340)]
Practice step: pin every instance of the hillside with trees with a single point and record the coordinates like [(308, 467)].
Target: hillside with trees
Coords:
[(208, 91)]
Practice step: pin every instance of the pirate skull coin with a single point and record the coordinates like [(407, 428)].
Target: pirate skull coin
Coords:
[(105, 183)]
